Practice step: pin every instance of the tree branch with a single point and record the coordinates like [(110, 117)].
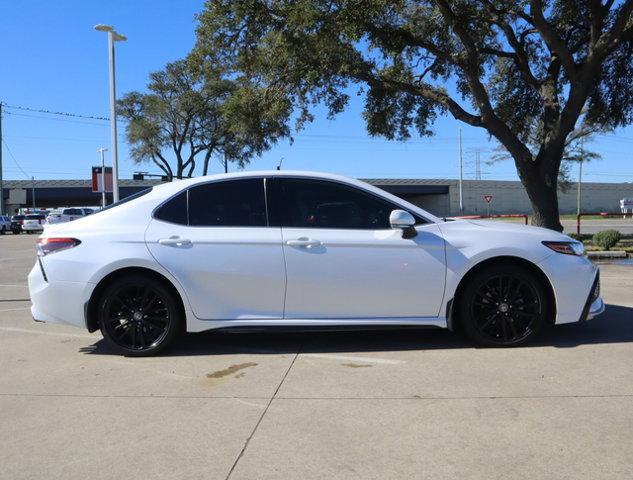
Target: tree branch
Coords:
[(553, 41)]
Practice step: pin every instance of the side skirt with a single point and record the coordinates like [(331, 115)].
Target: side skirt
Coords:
[(197, 325)]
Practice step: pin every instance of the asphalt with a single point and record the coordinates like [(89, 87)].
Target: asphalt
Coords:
[(420, 404)]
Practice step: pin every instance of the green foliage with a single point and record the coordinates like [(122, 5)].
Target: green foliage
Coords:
[(607, 239), (191, 112), (576, 236), (524, 71)]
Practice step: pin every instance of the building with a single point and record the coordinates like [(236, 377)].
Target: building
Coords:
[(441, 197), (438, 196)]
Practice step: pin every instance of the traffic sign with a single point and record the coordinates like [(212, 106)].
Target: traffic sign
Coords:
[(488, 198)]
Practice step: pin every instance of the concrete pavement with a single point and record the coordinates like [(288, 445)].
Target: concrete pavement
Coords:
[(394, 404)]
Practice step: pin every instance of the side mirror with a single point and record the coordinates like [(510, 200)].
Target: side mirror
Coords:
[(400, 219)]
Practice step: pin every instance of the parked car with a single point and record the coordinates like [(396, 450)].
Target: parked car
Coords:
[(33, 222), (16, 223), (68, 215), (5, 224), (296, 249)]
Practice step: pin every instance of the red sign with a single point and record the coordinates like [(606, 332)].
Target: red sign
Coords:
[(101, 182), (488, 198)]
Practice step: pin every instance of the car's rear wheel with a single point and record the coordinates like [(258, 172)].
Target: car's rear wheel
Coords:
[(139, 316), (503, 306)]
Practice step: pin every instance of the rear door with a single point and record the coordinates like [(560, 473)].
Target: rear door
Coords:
[(343, 260), (216, 240)]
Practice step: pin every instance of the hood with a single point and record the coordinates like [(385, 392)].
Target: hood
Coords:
[(504, 227)]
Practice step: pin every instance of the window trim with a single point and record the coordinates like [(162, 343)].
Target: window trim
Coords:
[(281, 208)]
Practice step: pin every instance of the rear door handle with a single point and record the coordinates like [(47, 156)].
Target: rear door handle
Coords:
[(303, 242), (175, 241)]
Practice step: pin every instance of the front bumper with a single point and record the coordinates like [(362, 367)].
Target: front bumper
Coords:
[(594, 305)]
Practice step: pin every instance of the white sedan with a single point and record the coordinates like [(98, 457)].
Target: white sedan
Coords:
[(301, 249)]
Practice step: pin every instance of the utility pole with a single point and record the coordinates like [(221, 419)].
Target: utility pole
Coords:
[(113, 37), (33, 192), (477, 164), (1, 183), (461, 174), (579, 190), (101, 150)]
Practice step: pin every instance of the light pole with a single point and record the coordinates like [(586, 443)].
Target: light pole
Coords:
[(101, 150), (113, 37)]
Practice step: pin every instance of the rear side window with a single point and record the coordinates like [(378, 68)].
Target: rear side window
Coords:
[(232, 203), (175, 210)]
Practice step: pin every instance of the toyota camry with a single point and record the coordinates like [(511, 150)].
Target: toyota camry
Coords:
[(299, 249)]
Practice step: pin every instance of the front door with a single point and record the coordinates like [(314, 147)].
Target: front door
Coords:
[(215, 240), (343, 260)]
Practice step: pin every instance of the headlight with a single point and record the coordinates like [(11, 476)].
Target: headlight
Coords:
[(568, 248)]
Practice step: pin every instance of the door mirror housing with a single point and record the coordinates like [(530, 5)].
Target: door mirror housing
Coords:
[(401, 219)]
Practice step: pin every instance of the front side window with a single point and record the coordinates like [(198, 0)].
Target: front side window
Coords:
[(324, 204), (231, 203)]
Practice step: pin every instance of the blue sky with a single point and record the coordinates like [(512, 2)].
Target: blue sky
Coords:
[(51, 58)]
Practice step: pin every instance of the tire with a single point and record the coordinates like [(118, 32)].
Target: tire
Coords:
[(139, 316), (503, 305), (3, 230)]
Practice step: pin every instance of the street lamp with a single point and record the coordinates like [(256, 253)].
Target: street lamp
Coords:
[(113, 37)]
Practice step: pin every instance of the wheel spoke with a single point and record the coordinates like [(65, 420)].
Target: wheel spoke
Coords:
[(504, 308), (145, 320)]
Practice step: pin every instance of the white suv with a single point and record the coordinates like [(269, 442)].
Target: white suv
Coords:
[(5, 224), (68, 215)]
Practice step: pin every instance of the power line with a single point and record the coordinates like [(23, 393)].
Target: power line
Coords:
[(14, 160), (51, 112)]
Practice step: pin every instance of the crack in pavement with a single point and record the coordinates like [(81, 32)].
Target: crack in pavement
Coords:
[(270, 401)]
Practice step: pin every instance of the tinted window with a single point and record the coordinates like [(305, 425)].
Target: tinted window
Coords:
[(322, 204), (72, 211), (34, 217), (233, 203), (175, 210)]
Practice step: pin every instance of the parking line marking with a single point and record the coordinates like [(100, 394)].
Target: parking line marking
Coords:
[(54, 334), (353, 359), (14, 285), (15, 309)]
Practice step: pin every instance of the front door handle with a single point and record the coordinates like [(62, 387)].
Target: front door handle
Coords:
[(303, 242), (175, 240)]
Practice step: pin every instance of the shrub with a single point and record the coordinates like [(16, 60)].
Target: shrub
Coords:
[(607, 239), (576, 236)]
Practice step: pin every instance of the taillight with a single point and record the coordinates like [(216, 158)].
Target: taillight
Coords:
[(46, 246)]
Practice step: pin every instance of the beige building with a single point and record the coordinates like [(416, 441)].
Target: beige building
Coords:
[(441, 197)]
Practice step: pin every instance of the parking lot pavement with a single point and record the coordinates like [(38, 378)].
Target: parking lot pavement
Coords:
[(388, 404)]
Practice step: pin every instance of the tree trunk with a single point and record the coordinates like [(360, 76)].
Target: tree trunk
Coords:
[(541, 185)]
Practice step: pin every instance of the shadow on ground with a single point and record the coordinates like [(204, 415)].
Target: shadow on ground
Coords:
[(614, 326)]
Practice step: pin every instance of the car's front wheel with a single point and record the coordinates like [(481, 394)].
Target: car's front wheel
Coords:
[(3, 230), (503, 306), (139, 316)]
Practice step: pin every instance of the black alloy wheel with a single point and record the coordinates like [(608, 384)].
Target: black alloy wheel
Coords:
[(139, 316), (504, 305)]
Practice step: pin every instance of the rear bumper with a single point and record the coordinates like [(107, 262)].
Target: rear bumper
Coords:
[(58, 301)]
